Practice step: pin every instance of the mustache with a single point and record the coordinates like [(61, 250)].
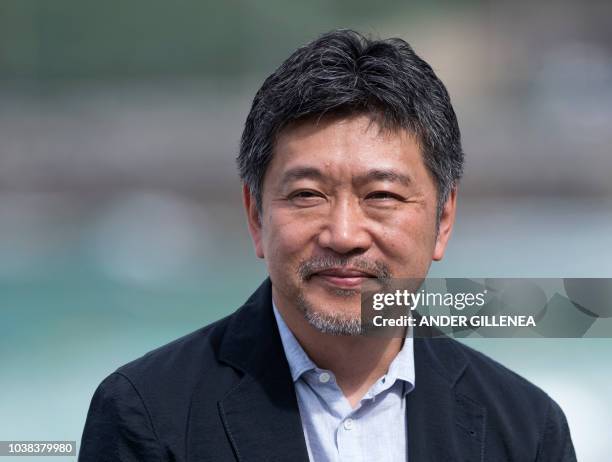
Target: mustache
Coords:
[(377, 268)]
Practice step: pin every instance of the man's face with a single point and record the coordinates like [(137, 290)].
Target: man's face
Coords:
[(344, 201)]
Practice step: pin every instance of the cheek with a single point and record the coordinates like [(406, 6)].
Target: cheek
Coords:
[(408, 239), (285, 240)]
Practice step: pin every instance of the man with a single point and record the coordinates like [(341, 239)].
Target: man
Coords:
[(350, 160)]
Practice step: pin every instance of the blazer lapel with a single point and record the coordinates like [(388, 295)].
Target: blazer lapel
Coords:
[(443, 425), (260, 415)]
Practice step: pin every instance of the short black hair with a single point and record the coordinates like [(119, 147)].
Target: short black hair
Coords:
[(343, 72)]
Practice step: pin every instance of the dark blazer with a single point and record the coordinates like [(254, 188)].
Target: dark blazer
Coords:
[(224, 393)]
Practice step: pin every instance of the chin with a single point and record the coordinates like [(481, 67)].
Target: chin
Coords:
[(333, 321), (332, 303)]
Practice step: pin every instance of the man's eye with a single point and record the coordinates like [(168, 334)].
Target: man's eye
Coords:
[(301, 194), (383, 195), (306, 197)]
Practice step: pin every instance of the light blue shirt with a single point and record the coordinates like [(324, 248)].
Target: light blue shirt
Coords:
[(375, 430)]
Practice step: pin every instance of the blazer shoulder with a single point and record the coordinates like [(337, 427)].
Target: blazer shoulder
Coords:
[(150, 398), (493, 373), (507, 392), (517, 407), (196, 351), (192, 352)]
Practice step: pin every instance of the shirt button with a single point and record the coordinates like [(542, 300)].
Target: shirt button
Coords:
[(348, 424), (324, 377)]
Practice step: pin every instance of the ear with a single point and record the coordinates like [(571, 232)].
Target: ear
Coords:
[(253, 220), (447, 220)]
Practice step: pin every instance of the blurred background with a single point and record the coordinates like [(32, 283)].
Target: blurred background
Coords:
[(120, 219)]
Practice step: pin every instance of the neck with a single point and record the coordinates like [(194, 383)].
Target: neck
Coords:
[(356, 361)]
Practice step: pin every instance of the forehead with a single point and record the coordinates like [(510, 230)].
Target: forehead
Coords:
[(347, 143)]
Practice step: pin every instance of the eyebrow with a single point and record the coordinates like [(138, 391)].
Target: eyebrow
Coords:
[(301, 173), (312, 173), (390, 175)]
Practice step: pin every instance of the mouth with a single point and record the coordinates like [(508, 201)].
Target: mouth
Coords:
[(344, 278)]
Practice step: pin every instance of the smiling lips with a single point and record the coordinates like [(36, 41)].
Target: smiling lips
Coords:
[(345, 278)]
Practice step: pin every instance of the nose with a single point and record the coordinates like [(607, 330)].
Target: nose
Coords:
[(345, 230)]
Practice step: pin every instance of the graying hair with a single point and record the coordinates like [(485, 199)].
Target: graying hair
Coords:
[(341, 73)]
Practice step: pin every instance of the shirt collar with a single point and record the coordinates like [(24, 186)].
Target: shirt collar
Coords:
[(401, 368), (298, 360)]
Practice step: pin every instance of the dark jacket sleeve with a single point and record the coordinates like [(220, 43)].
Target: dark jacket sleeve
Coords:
[(556, 443), (118, 426)]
